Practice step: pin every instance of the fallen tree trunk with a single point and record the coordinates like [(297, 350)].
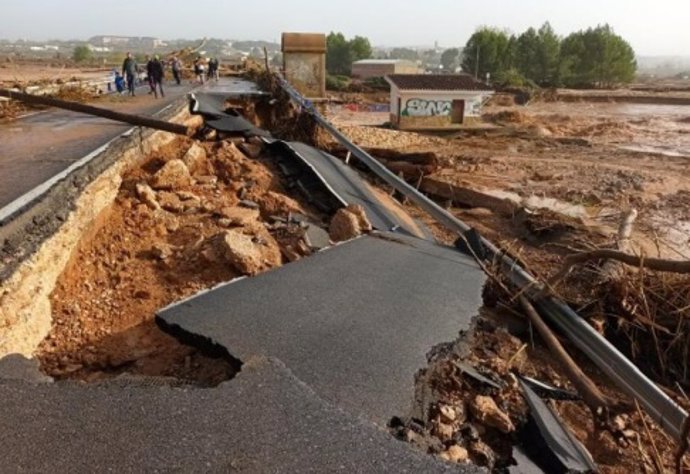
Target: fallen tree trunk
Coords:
[(466, 197), (97, 111), (592, 396)]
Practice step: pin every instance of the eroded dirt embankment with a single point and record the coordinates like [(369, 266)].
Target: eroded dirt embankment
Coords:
[(191, 216)]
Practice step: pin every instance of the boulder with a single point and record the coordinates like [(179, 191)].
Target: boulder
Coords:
[(348, 223), (173, 175), (194, 158)]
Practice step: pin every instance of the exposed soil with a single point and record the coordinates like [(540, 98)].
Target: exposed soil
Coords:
[(153, 248)]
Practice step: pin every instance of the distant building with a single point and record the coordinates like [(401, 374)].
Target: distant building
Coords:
[(368, 68), (435, 101)]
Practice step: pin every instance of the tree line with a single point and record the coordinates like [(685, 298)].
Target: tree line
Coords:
[(341, 53), (595, 57)]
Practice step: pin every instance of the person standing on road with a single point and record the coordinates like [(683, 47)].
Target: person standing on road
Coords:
[(149, 74), (176, 70), (213, 69), (156, 76), (129, 70)]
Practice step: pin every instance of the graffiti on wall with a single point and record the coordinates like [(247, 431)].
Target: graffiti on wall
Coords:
[(426, 108)]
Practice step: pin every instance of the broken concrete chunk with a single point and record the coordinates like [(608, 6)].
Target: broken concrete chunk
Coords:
[(173, 175), (348, 223), (485, 411), (455, 454), (194, 158), (147, 195), (249, 204), (273, 203)]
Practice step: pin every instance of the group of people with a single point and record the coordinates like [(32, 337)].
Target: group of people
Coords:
[(200, 69), (155, 73)]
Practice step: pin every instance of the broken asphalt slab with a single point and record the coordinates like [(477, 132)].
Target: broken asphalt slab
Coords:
[(348, 187), (353, 322), (264, 420), (211, 106)]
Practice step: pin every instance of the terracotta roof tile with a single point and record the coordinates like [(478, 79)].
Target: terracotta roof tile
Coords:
[(445, 82)]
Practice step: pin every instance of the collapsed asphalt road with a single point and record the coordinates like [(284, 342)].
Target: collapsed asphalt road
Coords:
[(321, 377)]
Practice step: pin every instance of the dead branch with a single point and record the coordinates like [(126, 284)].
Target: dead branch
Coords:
[(658, 264), (595, 400)]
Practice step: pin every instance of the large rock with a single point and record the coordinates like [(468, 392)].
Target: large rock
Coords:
[(173, 175), (486, 412), (348, 223), (250, 254), (194, 158), (239, 216), (147, 195)]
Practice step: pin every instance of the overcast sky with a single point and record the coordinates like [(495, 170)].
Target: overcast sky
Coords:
[(653, 27)]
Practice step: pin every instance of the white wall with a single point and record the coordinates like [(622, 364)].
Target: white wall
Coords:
[(430, 103)]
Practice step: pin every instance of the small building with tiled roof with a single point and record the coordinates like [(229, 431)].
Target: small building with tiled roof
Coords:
[(435, 101)]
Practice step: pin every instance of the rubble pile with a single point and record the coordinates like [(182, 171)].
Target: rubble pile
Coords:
[(191, 216)]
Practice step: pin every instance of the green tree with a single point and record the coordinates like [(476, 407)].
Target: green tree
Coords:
[(597, 57), (489, 50), (536, 55), (81, 53), (450, 59), (340, 53), (360, 48)]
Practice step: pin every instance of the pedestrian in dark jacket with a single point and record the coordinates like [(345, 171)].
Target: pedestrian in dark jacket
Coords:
[(156, 76), (129, 71), (149, 74)]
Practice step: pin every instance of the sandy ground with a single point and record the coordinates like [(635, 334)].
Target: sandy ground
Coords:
[(35, 74)]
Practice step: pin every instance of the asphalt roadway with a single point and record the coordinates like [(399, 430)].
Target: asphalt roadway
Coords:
[(38, 146)]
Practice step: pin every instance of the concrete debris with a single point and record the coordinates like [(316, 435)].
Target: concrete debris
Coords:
[(348, 223), (194, 158), (173, 175), (249, 204), (486, 412), (147, 195), (455, 453), (315, 237)]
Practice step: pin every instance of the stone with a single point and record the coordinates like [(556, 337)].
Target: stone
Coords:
[(240, 216), (247, 255), (486, 412), (170, 202), (315, 237), (147, 195), (444, 431), (194, 158), (448, 413), (187, 196), (455, 453), (348, 223), (249, 204), (173, 175), (482, 454), (161, 251)]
